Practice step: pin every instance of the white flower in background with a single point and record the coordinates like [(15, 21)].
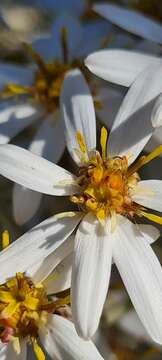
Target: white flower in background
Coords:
[(110, 197), (30, 315), (39, 89)]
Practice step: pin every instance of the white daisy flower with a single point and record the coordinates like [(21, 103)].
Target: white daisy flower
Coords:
[(29, 315), (110, 197), (62, 49)]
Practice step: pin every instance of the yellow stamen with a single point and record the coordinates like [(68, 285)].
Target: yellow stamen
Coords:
[(101, 216), (38, 351), (5, 239), (103, 142), (152, 217), (64, 301), (143, 160), (66, 214), (14, 89), (81, 142), (31, 303), (36, 57), (6, 296)]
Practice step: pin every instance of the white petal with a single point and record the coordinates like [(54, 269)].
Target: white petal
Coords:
[(78, 112), (156, 116), (60, 279), (127, 135), (49, 144), (25, 203), (62, 342), (7, 352), (149, 193), (49, 140), (90, 275), (149, 232), (110, 100), (16, 74), (119, 66), (141, 273), (155, 140), (34, 172), (131, 21), (36, 245), (14, 118), (39, 271)]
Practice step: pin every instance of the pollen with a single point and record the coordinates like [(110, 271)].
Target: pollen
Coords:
[(105, 183), (24, 308)]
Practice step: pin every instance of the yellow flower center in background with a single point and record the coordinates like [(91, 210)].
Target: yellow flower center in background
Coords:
[(48, 79), (24, 307)]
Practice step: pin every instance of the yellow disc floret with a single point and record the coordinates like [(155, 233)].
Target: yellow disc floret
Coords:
[(24, 308), (107, 184)]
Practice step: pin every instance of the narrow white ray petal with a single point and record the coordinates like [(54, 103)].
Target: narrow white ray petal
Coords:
[(155, 140), (48, 143), (110, 100), (127, 135), (60, 279), (49, 139), (34, 172), (141, 273), (131, 21), (149, 232), (149, 193), (119, 66), (90, 275), (78, 112), (156, 116), (36, 245), (39, 271), (16, 74), (7, 352), (25, 203), (62, 342), (14, 118)]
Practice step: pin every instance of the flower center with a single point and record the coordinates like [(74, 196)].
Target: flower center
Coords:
[(105, 183), (24, 308), (48, 78)]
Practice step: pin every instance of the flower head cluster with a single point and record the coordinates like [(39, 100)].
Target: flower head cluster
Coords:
[(67, 259)]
